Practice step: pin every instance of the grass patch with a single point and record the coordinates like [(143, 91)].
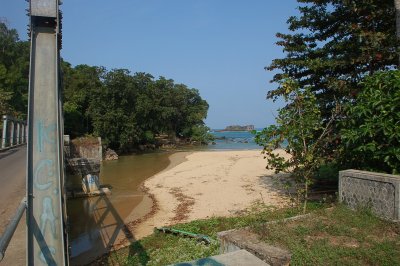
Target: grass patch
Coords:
[(164, 249), (337, 236), (331, 236)]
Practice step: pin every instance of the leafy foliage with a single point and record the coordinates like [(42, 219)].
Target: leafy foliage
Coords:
[(331, 46), (297, 124), (371, 132), (80, 83), (131, 109), (14, 71)]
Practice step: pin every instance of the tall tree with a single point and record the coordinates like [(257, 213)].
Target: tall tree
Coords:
[(333, 44), (14, 72), (80, 83), (112, 110)]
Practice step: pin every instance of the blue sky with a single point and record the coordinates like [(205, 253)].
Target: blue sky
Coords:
[(219, 47)]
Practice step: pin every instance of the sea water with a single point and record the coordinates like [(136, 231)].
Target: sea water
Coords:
[(234, 140)]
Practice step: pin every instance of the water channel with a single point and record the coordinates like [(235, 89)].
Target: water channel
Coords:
[(95, 223)]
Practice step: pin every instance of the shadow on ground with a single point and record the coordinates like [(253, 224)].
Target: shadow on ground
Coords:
[(101, 230)]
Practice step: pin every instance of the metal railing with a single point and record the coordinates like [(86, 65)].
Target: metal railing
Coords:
[(11, 227), (14, 132)]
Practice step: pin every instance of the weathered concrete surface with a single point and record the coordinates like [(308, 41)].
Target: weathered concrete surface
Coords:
[(80, 194), (236, 258), (83, 166), (12, 190), (86, 147), (237, 239), (380, 192)]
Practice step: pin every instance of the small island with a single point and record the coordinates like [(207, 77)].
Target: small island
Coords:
[(239, 128)]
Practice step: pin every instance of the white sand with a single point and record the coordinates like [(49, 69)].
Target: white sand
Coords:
[(211, 183)]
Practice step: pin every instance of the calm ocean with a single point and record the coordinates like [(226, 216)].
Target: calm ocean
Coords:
[(234, 140)]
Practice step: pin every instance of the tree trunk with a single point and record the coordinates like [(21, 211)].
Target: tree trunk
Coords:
[(397, 7)]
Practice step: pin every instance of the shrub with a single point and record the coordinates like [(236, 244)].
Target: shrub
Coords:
[(371, 130)]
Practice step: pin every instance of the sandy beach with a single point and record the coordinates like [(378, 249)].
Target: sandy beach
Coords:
[(203, 184)]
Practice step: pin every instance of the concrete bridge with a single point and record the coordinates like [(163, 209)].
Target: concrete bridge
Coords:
[(13, 133)]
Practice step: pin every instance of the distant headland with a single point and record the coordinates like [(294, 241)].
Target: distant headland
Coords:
[(238, 128)]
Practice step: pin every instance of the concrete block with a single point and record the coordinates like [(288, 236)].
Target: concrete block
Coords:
[(380, 192), (244, 239), (44, 8)]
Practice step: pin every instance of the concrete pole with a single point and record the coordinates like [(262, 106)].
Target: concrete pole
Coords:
[(12, 133), (4, 140), (18, 132)]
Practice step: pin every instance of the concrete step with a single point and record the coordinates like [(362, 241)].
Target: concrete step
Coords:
[(235, 258), (245, 239)]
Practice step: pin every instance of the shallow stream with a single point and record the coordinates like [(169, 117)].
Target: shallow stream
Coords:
[(95, 223)]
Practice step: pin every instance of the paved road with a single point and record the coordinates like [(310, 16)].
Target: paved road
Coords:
[(12, 190)]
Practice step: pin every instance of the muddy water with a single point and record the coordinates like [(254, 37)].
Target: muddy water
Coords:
[(97, 223)]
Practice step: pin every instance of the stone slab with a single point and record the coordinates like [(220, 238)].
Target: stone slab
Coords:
[(235, 258), (244, 239)]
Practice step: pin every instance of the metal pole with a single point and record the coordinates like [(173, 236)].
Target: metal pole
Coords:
[(45, 218), (11, 227), (4, 140)]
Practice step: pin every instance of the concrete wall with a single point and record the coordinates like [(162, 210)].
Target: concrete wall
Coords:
[(83, 155), (87, 149), (380, 192)]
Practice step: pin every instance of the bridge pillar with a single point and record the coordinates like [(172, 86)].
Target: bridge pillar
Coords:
[(23, 132), (5, 131), (18, 132), (12, 138)]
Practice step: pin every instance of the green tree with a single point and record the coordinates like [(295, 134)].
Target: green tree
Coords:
[(191, 112), (14, 72), (112, 110), (331, 46), (79, 84), (169, 108), (297, 125), (371, 132)]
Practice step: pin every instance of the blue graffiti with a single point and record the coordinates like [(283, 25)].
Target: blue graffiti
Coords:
[(45, 134), (47, 217), (43, 183)]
